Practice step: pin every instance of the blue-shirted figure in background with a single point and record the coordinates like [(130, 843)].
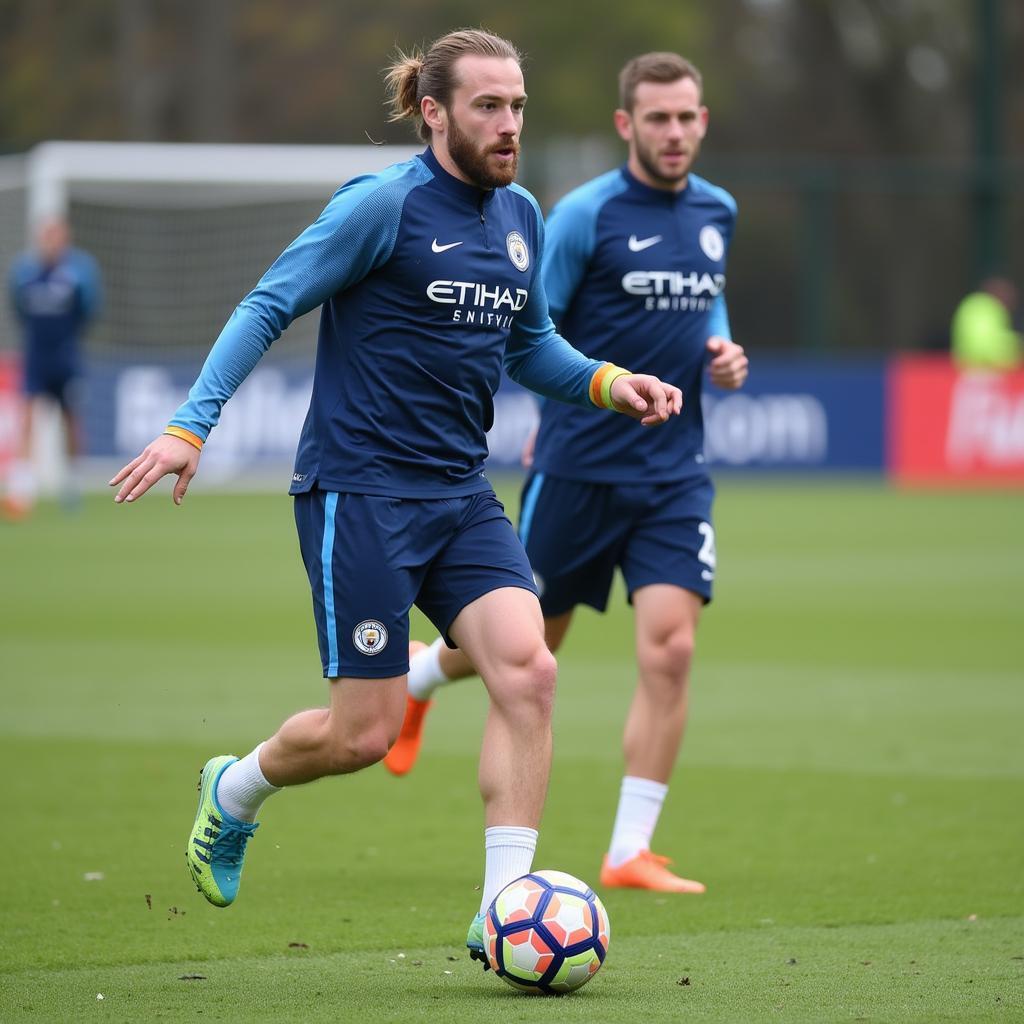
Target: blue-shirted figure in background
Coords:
[(634, 269), (429, 278), (55, 295)]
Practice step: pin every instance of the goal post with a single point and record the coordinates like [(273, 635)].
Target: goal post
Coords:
[(56, 171)]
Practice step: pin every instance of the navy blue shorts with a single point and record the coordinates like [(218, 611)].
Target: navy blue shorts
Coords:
[(577, 533), (59, 383), (370, 559)]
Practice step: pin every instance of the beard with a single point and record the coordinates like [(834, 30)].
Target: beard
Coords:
[(648, 161), (472, 161)]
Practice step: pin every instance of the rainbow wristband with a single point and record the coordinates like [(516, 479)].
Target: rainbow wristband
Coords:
[(601, 384), (185, 435)]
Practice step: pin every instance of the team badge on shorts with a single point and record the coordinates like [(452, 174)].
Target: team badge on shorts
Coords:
[(370, 637), (517, 251), (711, 242)]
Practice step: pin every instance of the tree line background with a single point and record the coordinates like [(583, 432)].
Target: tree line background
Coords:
[(875, 147)]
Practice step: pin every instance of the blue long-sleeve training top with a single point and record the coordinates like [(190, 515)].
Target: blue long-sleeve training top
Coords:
[(636, 275), (428, 286)]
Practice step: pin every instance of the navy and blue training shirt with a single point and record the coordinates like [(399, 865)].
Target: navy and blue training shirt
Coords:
[(635, 275), (54, 303), (428, 286)]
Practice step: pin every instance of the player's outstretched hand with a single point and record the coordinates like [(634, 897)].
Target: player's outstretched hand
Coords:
[(645, 398), (729, 365), (167, 454)]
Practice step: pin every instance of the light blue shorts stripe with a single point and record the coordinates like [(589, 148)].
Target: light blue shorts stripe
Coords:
[(529, 504), (327, 558)]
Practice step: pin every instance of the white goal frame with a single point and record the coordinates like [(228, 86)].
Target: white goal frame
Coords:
[(55, 168)]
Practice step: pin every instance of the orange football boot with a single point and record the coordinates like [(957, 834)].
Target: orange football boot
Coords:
[(402, 756), (14, 510), (646, 871)]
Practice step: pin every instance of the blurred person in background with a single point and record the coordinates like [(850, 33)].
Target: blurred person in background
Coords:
[(634, 268), (982, 333), (55, 295)]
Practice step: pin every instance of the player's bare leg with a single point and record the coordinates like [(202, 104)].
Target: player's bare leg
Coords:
[(555, 630), (502, 634), (28, 418), (73, 448), (455, 664), (430, 667), (666, 626), (436, 666), (356, 731), (353, 732), (20, 490), (72, 433)]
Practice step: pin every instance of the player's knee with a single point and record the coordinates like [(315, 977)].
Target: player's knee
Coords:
[(359, 750), (534, 692), (679, 648), (669, 655), (527, 682), (544, 675)]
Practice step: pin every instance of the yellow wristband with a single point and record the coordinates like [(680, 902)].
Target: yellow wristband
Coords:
[(185, 435), (606, 385), (601, 384)]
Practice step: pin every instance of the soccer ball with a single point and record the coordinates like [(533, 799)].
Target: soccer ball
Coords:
[(546, 932)]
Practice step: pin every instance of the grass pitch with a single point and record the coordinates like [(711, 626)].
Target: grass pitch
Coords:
[(850, 789)]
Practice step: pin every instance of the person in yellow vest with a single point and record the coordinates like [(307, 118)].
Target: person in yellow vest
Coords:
[(982, 331)]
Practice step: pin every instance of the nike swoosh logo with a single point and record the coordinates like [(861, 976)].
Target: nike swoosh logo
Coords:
[(639, 244), (443, 248)]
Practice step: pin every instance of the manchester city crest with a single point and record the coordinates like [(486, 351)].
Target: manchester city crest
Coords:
[(370, 637), (711, 242), (517, 251)]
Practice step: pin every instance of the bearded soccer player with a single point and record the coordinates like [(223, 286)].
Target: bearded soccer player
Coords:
[(428, 275), (634, 267)]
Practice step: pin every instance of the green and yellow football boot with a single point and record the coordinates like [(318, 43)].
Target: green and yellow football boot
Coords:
[(216, 847), (475, 941)]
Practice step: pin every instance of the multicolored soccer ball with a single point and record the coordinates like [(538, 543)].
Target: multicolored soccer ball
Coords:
[(546, 932)]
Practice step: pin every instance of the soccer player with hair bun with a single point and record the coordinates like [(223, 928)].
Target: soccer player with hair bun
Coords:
[(428, 275)]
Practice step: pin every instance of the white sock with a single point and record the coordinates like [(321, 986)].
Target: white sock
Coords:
[(640, 803), (71, 480), (21, 482), (425, 673), (509, 855), (243, 787)]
